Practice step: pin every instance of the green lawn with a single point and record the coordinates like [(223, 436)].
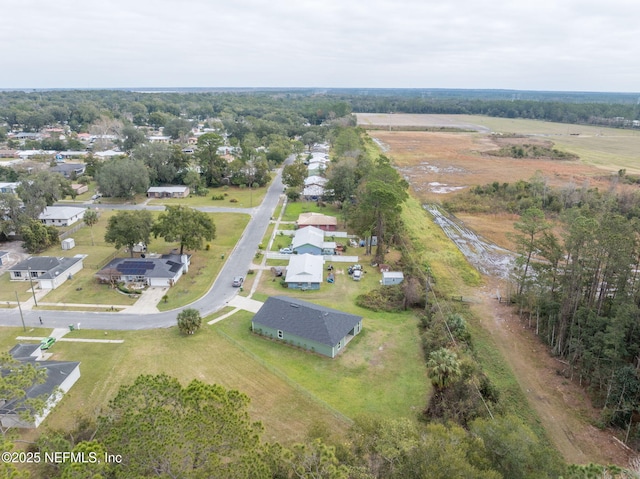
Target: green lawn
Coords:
[(84, 289), (285, 409), (234, 197), (294, 209)]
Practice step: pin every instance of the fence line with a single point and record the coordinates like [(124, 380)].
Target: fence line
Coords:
[(286, 378)]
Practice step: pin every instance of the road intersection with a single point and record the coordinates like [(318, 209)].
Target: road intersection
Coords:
[(218, 296)]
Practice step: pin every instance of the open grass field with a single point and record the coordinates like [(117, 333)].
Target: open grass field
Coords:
[(285, 409)]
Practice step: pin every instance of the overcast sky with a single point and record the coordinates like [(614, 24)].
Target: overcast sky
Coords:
[(576, 45)]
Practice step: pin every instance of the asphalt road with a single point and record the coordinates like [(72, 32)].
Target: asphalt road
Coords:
[(216, 298)]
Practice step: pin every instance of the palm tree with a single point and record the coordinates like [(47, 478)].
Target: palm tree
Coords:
[(443, 367)]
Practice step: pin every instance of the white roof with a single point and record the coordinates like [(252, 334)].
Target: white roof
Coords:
[(304, 268), (61, 212), (169, 189), (392, 274), (309, 235), (315, 180)]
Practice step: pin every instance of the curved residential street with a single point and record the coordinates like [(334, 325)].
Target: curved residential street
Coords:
[(216, 298)]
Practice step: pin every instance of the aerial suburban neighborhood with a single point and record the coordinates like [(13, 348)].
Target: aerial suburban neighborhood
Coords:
[(271, 282)]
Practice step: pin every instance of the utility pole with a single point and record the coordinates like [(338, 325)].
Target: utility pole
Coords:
[(20, 308), (32, 290)]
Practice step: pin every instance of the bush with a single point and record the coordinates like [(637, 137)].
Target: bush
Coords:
[(233, 200), (217, 197)]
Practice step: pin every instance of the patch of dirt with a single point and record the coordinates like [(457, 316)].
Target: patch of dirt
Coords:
[(562, 406), (459, 160)]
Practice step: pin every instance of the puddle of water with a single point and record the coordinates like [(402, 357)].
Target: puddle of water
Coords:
[(486, 257)]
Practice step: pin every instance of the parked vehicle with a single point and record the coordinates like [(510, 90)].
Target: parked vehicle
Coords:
[(237, 281), (46, 343), (357, 275), (286, 251)]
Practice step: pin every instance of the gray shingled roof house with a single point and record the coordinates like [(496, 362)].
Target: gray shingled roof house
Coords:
[(61, 375), (48, 271), (306, 325), (162, 271)]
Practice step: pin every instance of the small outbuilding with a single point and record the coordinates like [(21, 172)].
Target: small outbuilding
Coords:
[(392, 277)]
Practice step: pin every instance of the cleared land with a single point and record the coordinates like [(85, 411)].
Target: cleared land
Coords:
[(436, 164)]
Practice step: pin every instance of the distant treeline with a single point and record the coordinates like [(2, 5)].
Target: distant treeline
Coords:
[(79, 108)]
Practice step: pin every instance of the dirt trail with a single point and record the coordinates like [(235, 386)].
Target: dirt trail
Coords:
[(563, 408), (561, 405)]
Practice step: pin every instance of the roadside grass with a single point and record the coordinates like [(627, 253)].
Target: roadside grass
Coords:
[(286, 411)]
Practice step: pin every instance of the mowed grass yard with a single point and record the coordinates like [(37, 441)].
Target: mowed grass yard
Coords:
[(205, 265), (286, 410)]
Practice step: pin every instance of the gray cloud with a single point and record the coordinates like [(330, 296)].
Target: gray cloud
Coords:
[(544, 45)]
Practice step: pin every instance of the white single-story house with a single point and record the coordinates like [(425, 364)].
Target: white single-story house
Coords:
[(311, 240), (168, 192), (304, 271), (48, 271), (306, 325), (161, 271), (61, 215), (391, 277), (60, 377)]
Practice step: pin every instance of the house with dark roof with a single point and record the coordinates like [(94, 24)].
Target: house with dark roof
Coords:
[(48, 271), (155, 271), (60, 377), (69, 170), (306, 325)]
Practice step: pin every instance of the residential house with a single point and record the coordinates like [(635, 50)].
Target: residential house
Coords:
[(48, 271), (60, 377), (306, 325), (168, 192), (69, 170), (304, 271), (4, 257), (317, 220), (79, 188), (311, 240), (161, 271), (61, 215), (9, 188)]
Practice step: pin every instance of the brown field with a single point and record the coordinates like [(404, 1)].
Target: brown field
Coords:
[(438, 164)]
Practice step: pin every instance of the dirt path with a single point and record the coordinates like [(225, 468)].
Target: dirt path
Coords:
[(563, 408)]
